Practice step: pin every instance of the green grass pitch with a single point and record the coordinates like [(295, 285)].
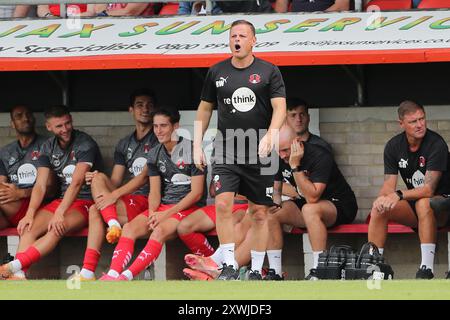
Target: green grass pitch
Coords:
[(236, 290)]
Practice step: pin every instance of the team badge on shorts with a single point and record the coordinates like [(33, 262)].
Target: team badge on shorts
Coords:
[(254, 78), (217, 184), (269, 192)]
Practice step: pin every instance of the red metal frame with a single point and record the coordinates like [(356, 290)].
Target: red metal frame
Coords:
[(195, 61)]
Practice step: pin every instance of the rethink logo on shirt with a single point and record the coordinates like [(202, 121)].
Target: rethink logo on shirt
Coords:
[(243, 99)]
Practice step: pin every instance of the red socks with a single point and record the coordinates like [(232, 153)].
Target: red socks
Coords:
[(149, 254), (91, 258), (198, 244), (109, 213), (28, 257), (122, 254)]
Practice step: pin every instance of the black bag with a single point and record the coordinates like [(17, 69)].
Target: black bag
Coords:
[(332, 263), (341, 262), (369, 264)]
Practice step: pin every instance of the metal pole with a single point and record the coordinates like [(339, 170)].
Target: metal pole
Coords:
[(65, 88), (208, 7), (62, 10), (358, 78), (62, 80), (361, 85)]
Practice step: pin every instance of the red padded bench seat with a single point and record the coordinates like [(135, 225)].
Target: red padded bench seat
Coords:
[(342, 229), (350, 228)]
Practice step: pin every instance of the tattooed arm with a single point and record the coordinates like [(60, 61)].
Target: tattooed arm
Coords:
[(388, 198)]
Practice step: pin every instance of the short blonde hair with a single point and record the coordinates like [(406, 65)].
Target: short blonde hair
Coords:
[(408, 106)]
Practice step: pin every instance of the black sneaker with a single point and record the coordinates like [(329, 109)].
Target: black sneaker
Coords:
[(447, 275), (312, 275), (228, 273), (271, 275), (7, 258), (254, 275), (424, 273)]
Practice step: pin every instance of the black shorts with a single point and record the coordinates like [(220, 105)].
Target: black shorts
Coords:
[(346, 209), (412, 204), (245, 180)]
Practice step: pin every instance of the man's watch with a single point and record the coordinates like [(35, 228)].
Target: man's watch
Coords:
[(296, 169), (400, 194)]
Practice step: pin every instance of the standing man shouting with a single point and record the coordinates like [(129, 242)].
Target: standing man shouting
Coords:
[(251, 102)]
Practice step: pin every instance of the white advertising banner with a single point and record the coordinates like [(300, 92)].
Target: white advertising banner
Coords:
[(200, 35)]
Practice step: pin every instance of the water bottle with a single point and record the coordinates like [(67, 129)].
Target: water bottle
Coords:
[(333, 259), (350, 261), (323, 259), (366, 261)]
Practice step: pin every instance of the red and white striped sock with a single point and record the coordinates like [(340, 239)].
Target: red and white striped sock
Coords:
[(122, 254), (149, 254), (198, 244)]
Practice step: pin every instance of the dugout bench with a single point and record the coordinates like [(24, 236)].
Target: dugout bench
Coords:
[(402, 252)]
